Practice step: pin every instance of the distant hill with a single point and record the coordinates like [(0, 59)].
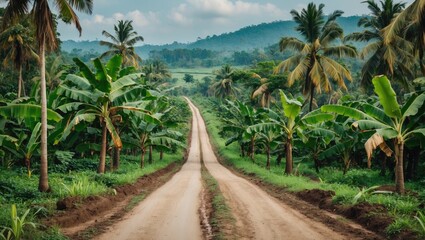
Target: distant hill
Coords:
[(247, 38)]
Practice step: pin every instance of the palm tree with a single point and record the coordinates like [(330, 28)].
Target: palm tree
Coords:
[(156, 71), (411, 23), (123, 43), (313, 63), (45, 34), (18, 44), (224, 87), (392, 59)]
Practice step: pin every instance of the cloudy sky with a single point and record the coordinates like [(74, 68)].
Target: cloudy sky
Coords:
[(165, 21)]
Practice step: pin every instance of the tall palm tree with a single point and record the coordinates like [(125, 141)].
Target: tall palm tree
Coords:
[(123, 43), (224, 87), (18, 45), (393, 59), (313, 63), (156, 71), (45, 34), (411, 24)]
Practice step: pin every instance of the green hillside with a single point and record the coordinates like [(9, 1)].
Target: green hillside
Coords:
[(247, 38)]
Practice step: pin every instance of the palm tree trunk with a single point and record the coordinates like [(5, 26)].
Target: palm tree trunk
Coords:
[(311, 97), (116, 158), (20, 81), (43, 184), (399, 171), (288, 169), (101, 168)]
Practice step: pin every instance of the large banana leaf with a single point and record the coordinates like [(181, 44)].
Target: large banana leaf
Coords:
[(7, 138), (262, 127), (114, 66), (80, 82), (377, 114), (387, 96), (291, 108), (317, 118), (345, 111), (126, 81), (113, 132), (86, 117), (77, 94), (104, 81), (165, 141), (27, 111), (370, 125), (413, 105), (420, 131), (73, 106)]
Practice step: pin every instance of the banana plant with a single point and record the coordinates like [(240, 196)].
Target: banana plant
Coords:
[(290, 120), (393, 122), (103, 95), (268, 135)]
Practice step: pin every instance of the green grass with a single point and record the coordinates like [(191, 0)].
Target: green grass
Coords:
[(17, 188), (346, 187)]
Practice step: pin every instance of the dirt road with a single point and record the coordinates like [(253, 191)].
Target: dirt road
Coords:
[(258, 215), (171, 212)]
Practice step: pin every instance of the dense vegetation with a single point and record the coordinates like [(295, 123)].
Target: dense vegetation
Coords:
[(305, 101)]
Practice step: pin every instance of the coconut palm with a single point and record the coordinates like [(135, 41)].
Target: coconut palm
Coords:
[(224, 87), (156, 71), (313, 63), (45, 35), (123, 42), (18, 45), (392, 59), (410, 24)]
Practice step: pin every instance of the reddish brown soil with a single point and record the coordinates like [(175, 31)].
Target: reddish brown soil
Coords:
[(79, 214)]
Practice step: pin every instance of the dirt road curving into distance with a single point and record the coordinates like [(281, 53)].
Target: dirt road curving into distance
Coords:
[(258, 215), (171, 212)]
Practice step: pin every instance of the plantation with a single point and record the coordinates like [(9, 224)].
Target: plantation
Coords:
[(311, 124)]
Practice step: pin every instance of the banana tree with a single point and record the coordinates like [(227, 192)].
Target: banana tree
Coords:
[(241, 117), (268, 135), (102, 95), (393, 122), (291, 122)]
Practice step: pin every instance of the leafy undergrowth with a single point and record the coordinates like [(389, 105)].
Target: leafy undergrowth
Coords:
[(17, 188), (402, 209)]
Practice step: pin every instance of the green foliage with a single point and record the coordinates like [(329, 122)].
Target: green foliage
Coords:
[(17, 224), (398, 226), (420, 217), (82, 186)]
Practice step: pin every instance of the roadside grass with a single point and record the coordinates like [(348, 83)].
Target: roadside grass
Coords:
[(346, 187), (221, 220), (16, 187)]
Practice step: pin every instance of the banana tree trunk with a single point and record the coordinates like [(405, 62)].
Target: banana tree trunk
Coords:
[(43, 184), (268, 157), (150, 155), (101, 168), (289, 165), (399, 171), (252, 149), (142, 158)]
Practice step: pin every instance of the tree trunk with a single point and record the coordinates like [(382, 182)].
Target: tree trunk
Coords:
[(116, 158), (161, 152), (20, 82), (142, 159), (150, 155), (311, 97), (101, 168), (399, 171), (242, 150), (279, 159), (268, 157), (316, 163), (252, 149), (383, 163), (288, 169), (43, 184)]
